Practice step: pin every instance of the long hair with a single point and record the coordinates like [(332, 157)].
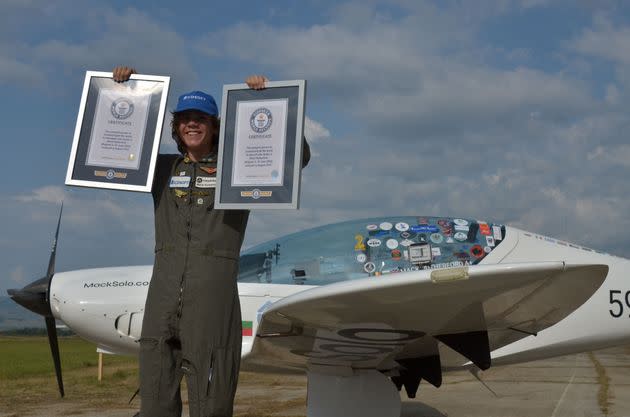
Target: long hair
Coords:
[(177, 119)]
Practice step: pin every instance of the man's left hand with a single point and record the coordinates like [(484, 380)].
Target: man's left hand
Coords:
[(256, 82)]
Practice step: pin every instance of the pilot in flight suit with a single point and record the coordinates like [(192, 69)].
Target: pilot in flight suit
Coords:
[(192, 317)]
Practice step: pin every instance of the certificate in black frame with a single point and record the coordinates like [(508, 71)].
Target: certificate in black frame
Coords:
[(283, 190), (116, 118)]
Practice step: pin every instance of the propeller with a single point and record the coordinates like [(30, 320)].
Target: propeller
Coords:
[(36, 298)]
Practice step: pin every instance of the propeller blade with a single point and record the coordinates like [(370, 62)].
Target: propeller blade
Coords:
[(36, 297), (54, 349), (53, 253)]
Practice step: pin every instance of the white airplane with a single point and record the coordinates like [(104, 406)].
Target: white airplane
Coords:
[(367, 307)]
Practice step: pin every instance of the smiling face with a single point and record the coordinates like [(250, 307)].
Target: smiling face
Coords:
[(195, 131)]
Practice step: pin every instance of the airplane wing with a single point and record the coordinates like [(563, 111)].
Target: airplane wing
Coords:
[(412, 325)]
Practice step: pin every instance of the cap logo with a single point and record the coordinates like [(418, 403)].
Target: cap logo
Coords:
[(194, 98)]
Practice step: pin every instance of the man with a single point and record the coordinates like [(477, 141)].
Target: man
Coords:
[(192, 317)]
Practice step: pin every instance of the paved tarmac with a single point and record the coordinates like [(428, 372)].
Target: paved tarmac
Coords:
[(585, 385)]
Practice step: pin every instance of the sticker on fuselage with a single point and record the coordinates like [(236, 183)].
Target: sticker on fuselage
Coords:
[(374, 243), (386, 226), (402, 227), (436, 238), (391, 243), (461, 236)]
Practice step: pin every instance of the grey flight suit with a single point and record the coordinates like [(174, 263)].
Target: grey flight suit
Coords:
[(192, 317)]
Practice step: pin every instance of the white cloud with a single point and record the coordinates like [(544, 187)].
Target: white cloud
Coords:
[(609, 42), (88, 211), (314, 131), (613, 155), (105, 38), (13, 71), (408, 75), (17, 275), (48, 194), (605, 40)]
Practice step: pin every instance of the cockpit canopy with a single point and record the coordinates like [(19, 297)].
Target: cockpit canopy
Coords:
[(369, 248)]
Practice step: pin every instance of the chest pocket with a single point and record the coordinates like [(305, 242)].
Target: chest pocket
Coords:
[(197, 200), (202, 198)]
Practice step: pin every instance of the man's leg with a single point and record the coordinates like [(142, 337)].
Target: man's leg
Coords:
[(211, 352), (160, 377), (220, 399), (212, 381), (210, 331)]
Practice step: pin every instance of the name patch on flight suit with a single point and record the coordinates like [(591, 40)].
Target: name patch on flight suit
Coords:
[(179, 182), (206, 182)]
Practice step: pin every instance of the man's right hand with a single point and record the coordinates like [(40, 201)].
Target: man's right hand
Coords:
[(122, 74)]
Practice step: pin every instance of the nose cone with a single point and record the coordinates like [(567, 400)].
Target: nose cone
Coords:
[(33, 297)]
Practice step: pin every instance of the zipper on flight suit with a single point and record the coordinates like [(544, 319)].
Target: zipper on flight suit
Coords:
[(180, 305)]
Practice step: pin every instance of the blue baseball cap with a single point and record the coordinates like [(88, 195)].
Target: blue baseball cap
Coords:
[(197, 100)]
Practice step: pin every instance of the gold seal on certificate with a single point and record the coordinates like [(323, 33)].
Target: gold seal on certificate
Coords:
[(260, 146), (118, 132)]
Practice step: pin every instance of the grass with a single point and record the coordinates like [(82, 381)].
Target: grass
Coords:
[(27, 375), (28, 385), (75, 354)]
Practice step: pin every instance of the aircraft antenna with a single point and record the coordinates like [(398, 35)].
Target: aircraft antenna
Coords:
[(475, 372)]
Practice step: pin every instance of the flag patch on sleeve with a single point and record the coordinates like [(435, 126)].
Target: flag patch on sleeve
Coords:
[(247, 328)]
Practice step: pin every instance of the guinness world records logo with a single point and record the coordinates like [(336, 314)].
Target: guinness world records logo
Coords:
[(260, 120), (122, 108)]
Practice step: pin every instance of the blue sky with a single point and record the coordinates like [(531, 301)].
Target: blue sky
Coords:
[(510, 111)]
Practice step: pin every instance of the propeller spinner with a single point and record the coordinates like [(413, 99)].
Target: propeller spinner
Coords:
[(36, 298)]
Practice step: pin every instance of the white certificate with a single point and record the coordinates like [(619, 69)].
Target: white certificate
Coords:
[(259, 143), (118, 127)]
